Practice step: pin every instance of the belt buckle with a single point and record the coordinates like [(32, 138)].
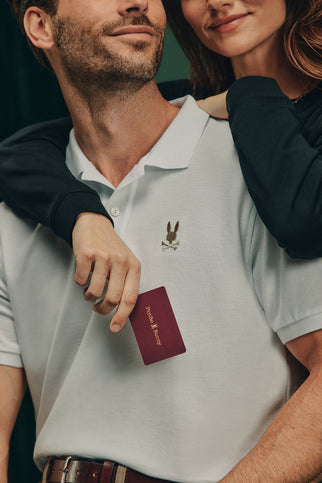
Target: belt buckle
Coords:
[(65, 469)]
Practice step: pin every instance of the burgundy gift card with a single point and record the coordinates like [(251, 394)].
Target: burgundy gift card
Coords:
[(155, 327)]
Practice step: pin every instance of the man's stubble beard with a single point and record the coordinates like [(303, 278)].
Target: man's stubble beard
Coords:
[(94, 68)]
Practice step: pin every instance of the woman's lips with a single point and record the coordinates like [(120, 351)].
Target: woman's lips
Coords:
[(227, 24)]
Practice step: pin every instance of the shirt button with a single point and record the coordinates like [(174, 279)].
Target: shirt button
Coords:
[(115, 211)]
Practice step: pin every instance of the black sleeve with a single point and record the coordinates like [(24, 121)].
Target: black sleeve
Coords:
[(282, 169), (36, 183)]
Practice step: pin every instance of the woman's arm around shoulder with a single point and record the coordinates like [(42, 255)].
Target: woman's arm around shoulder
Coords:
[(279, 144), (36, 183)]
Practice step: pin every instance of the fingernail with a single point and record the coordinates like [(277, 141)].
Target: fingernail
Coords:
[(115, 327)]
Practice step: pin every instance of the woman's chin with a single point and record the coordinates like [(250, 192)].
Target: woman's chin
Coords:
[(234, 49)]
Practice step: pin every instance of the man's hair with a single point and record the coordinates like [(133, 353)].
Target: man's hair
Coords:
[(19, 8), (302, 34)]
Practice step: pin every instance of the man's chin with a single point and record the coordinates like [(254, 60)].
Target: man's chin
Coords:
[(131, 44)]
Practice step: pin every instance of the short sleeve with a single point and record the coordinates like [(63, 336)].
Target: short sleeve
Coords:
[(289, 290), (9, 346)]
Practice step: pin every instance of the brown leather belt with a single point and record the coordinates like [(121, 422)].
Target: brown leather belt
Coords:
[(70, 469)]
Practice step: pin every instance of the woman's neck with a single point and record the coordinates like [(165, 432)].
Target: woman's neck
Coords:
[(269, 60)]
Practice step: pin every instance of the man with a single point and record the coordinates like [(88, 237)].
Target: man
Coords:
[(219, 412)]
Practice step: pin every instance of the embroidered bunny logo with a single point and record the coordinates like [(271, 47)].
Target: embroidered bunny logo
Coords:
[(171, 238)]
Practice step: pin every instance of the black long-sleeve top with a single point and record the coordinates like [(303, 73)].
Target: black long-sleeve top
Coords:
[(280, 152), (279, 145)]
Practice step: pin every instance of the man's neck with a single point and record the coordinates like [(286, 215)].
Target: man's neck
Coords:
[(116, 130)]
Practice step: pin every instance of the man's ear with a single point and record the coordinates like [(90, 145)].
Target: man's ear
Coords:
[(38, 28)]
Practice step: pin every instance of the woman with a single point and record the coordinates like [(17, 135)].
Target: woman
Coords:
[(279, 142), (278, 136)]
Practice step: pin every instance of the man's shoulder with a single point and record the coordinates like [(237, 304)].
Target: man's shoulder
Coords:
[(11, 222), (218, 127), (5, 213), (22, 239)]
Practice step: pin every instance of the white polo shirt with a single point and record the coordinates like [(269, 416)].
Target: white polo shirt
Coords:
[(235, 294)]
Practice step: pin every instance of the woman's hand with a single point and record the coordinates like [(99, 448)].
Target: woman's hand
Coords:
[(215, 106), (98, 249)]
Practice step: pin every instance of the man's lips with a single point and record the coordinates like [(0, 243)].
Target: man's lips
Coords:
[(133, 29), (225, 20)]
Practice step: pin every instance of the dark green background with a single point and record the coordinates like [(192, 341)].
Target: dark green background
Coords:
[(30, 94)]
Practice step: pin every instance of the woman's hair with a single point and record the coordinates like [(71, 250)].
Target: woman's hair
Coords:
[(19, 8), (302, 34)]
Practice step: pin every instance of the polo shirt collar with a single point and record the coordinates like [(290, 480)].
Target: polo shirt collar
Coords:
[(174, 150)]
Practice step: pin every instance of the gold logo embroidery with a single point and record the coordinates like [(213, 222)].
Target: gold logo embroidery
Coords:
[(154, 325), (171, 238)]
